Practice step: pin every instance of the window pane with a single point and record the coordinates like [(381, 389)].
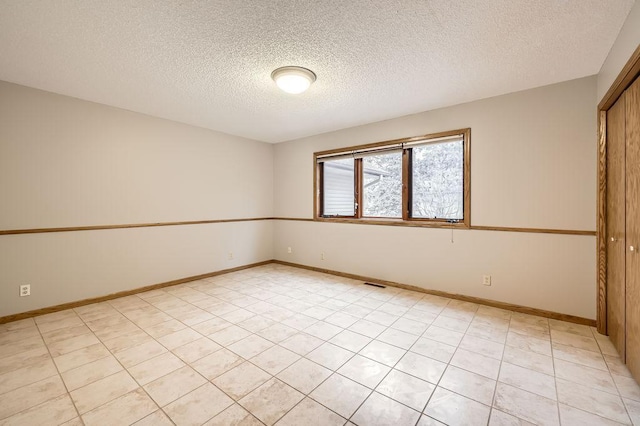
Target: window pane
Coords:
[(382, 195), (339, 198), (438, 181)]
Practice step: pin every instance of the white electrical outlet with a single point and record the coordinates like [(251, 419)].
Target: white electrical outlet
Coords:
[(25, 290), (322, 256), (486, 279), (230, 255), (288, 249)]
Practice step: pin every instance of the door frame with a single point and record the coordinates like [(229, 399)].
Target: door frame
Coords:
[(627, 76)]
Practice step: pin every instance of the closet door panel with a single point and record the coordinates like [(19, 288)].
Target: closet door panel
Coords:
[(616, 225), (632, 96)]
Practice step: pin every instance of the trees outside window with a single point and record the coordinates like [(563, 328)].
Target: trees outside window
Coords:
[(438, 181), (422, 178), (382, 186)]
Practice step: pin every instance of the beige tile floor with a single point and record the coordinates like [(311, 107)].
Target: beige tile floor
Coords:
[(278, 345)]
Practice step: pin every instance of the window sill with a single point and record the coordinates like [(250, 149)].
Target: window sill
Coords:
[(415, 223)]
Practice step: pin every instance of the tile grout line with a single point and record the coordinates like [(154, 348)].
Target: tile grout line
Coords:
[(383, 302), (448, 364), (307, 395), (252, 333), (409, 350), (388, 327), (124, 315), (324, 341), (29, 384), (234, 402), (624, 404), (555, 376), (119, 362), (495, 391), (169, 351), (113, 354), (350, 358), (58, 370)]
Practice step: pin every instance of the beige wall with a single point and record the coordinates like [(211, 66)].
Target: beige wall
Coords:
[(545, 271), (70, 266), (66, 162), (533, 157), (626, 43)]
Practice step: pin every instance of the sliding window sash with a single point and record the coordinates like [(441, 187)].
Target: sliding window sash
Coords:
[(321, 193)]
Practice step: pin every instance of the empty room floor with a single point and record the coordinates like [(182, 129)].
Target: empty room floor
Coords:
[(280, 345)]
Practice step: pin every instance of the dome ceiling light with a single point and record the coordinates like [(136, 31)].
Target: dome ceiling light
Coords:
[(293, 80)]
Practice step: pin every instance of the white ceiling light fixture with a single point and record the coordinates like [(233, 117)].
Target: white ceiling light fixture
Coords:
[(293, 80)]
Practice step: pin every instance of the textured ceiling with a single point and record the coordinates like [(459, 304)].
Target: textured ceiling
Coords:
[(208, 63)]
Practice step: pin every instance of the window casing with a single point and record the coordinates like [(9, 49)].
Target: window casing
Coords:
[(418, 181)]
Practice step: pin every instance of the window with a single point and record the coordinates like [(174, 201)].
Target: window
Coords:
[(382, 185), (437, 181), (422, 179), (338, 184)]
